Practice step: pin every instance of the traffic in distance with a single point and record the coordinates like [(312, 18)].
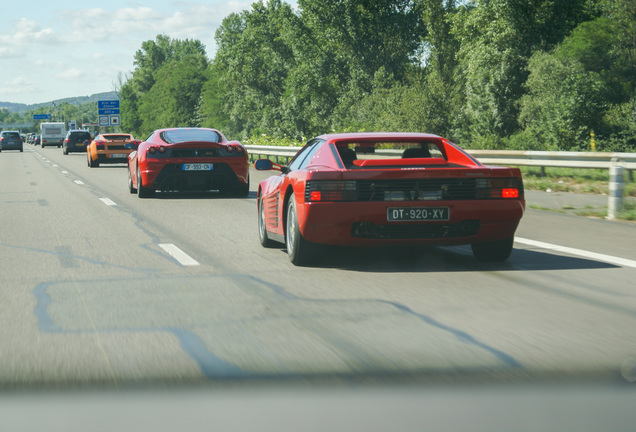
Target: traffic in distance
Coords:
[(353, 189)]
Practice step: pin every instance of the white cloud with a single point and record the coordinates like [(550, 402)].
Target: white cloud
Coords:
[(26, 32), (80, 50), (6, 52), (71, 74), (17, 86)]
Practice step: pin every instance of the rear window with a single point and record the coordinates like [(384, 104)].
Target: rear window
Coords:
[(185, 135), (81, 136), (391, 150), (13, 135)]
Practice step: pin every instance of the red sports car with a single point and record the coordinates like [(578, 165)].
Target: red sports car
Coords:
[(188, 159), (380, 189)]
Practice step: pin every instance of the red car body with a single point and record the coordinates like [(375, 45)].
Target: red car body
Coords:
[(367, 189), (188, 159)]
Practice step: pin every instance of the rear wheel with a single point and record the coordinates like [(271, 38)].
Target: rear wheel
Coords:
[(497, 250), (131, 188), (242, 190), (300, 251), (143, 192), (262, 230), (65, 150)]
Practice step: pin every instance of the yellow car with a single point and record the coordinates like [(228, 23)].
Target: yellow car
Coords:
[(110, 148)]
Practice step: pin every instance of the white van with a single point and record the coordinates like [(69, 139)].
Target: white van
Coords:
[(52, 134)]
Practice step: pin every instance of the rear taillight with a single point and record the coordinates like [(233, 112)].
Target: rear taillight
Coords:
[(99, 145), (330, 190), (154, 150), (499, 188), (235, 148)]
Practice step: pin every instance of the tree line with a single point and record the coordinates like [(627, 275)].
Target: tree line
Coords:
[(516, 74)]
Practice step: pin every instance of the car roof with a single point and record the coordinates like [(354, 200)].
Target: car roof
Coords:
[(379, 136)]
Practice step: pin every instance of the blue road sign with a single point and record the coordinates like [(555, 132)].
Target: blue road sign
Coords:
[(108, 104), (41, 116), (107, 107), (108, 111)]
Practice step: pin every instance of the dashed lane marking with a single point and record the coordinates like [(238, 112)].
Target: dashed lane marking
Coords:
[(108, 201), (176, 253)]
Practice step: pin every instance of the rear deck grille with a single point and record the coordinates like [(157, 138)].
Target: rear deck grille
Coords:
[(416, 190)]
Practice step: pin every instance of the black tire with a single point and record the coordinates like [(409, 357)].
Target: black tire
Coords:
[(493, 251), (242, 190), (143, 192), (65, 150), (131, 189), (42, 145), (300, 251), (262, 231)]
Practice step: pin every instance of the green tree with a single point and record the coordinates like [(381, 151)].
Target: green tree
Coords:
[(174, 98), (497, 39), (212, 110), (252, 63), (165, 87), (129, 109), (565, 102)]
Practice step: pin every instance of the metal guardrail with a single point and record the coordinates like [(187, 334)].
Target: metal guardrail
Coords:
[(599, 160), (615, 162), (595, 160)]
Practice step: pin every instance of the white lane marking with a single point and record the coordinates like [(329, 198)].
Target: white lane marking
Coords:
[(176, 253), (79, 182), (108, 201), (63, 172), (579, 252)]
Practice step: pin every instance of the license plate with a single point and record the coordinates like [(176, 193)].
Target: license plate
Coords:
[(118, 156), (417, 214), (198, 167)]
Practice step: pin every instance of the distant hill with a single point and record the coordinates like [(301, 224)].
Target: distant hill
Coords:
[(20, 108)]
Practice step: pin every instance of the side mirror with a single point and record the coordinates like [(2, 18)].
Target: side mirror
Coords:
[(266, 164), (263, 165)]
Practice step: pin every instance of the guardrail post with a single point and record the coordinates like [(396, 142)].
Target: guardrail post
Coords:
[(615, 202)]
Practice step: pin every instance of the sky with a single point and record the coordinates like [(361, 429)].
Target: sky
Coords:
[(56, 49)]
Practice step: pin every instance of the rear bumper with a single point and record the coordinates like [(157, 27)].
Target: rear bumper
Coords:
[(171, 177), (366, 224), (76, 149), (11, 147), (108, 156)]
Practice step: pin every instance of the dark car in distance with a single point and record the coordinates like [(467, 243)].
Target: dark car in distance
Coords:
[(76, 141), (11, 140)]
